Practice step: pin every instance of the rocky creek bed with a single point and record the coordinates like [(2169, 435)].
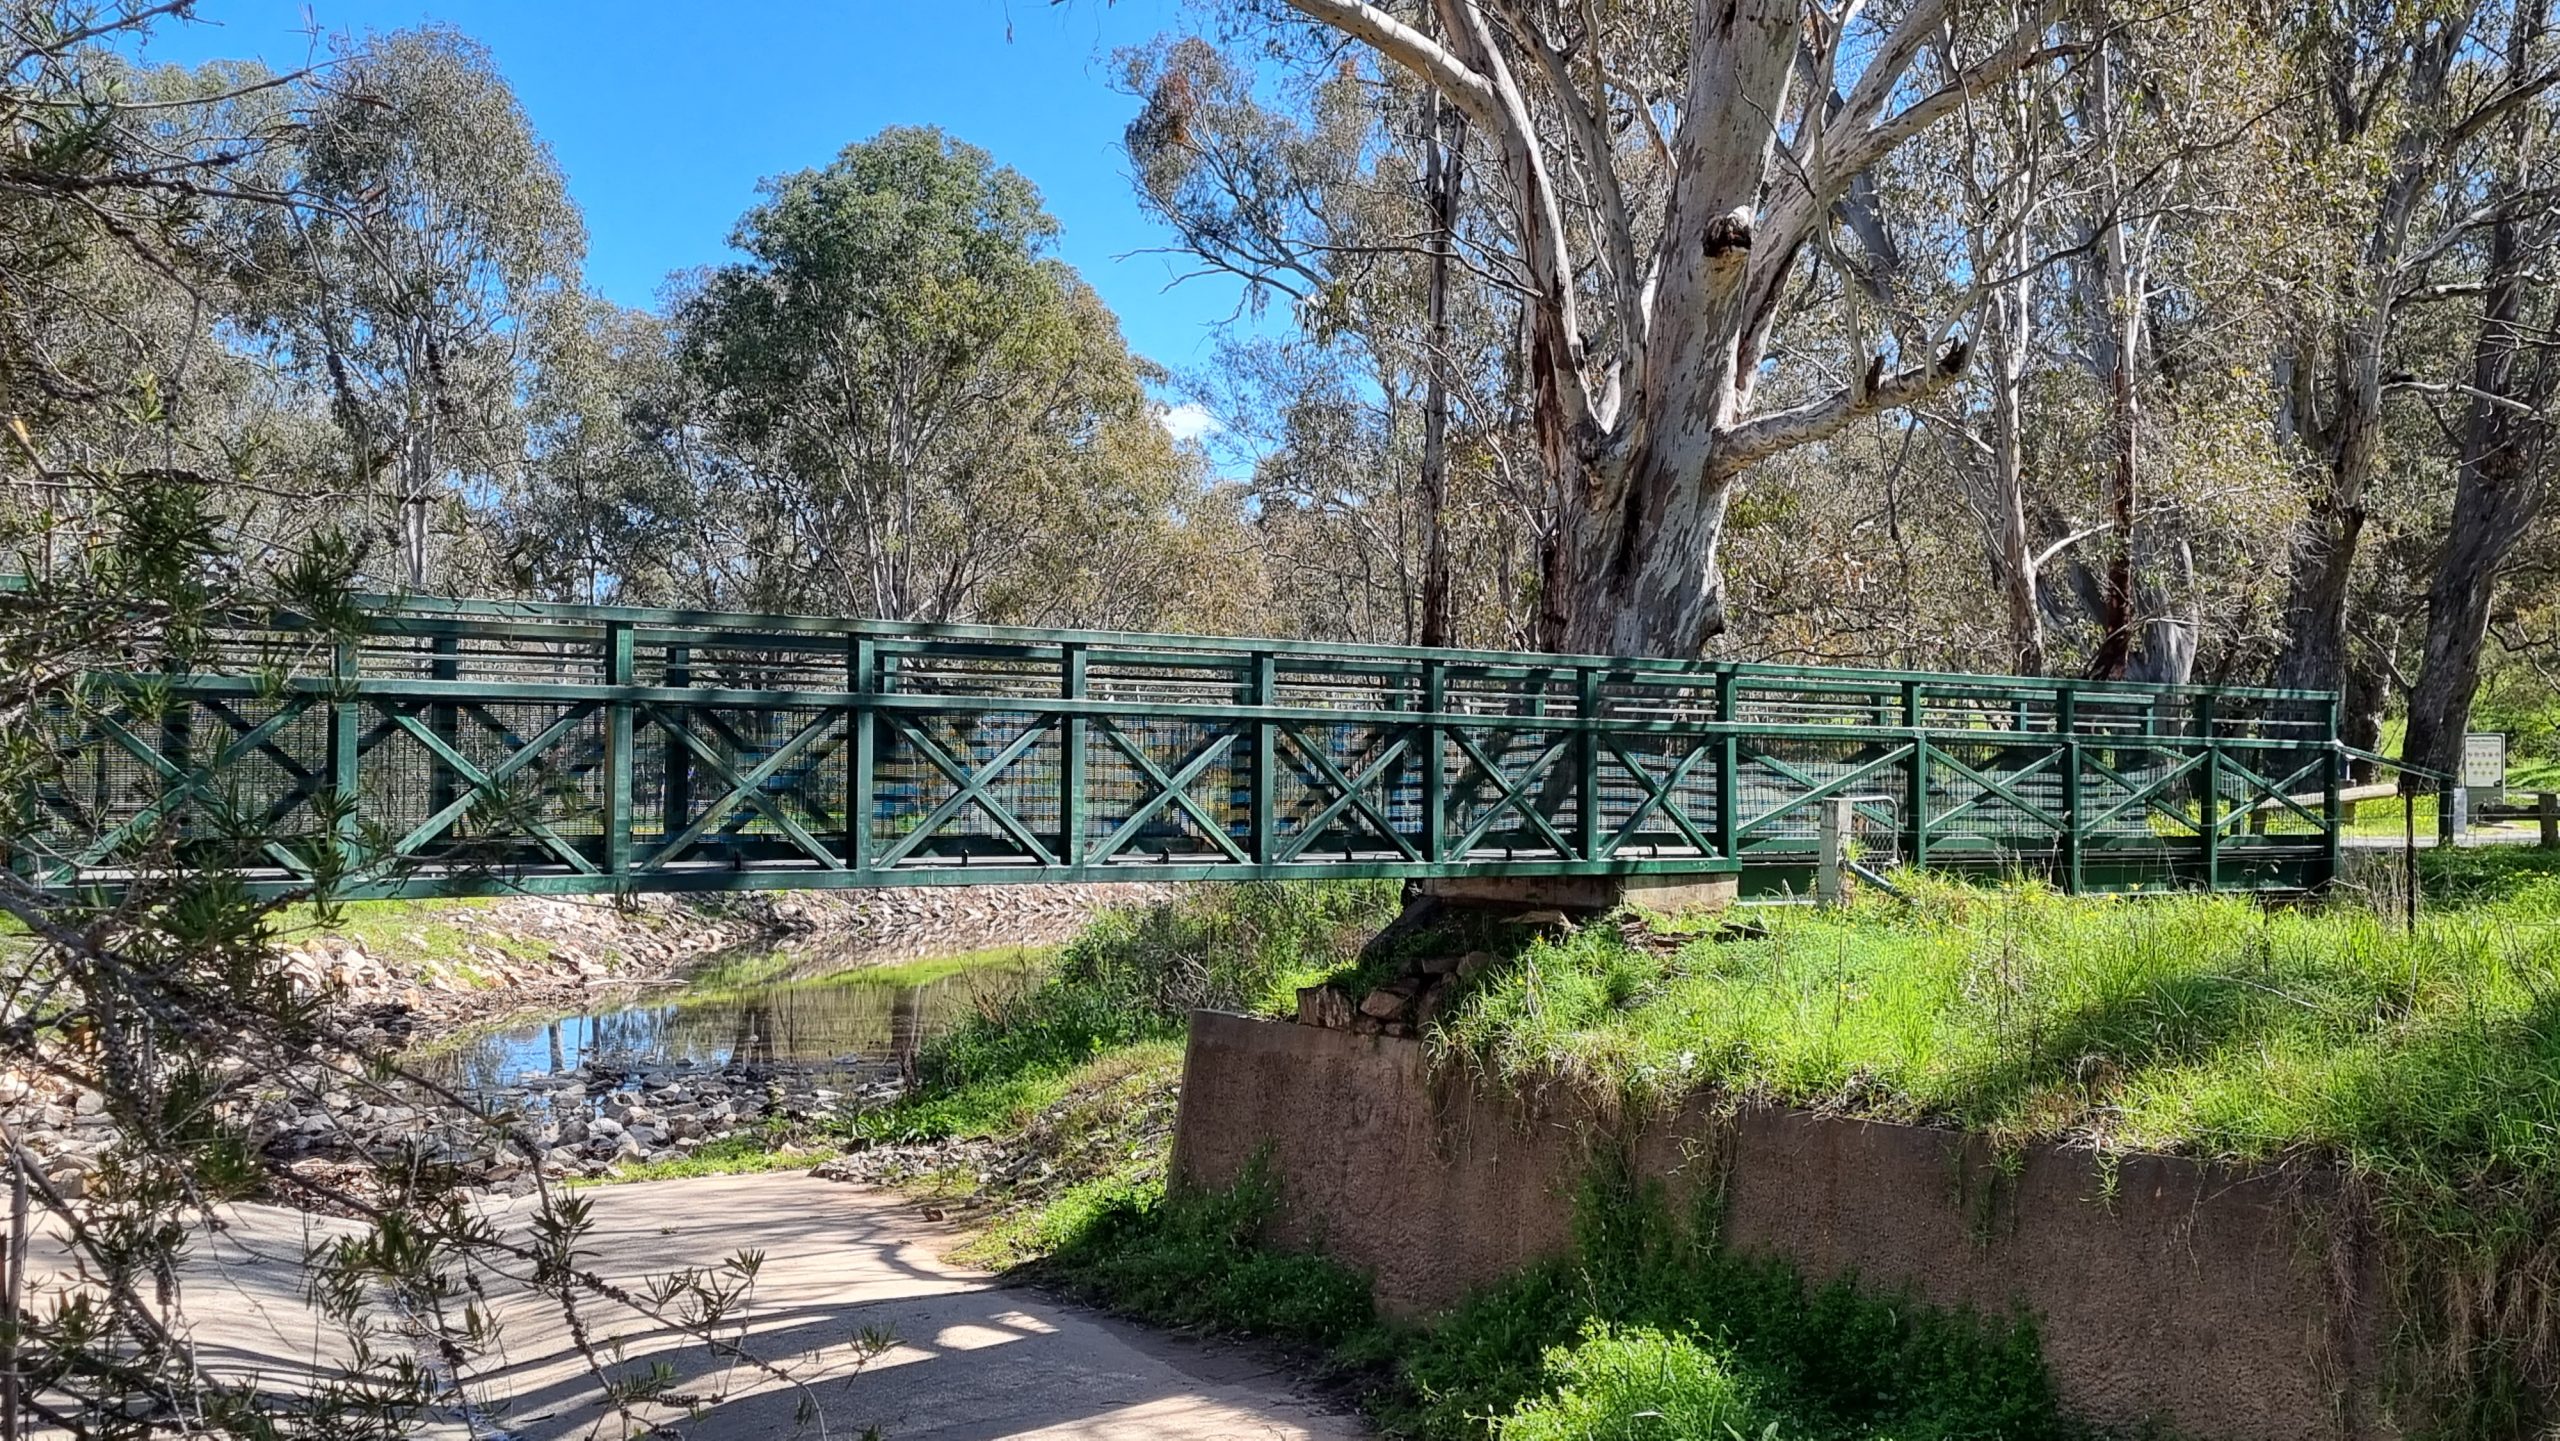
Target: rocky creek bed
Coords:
[(503, 1124)]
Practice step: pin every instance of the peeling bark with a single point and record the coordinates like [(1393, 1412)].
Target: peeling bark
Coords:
[(1643, 410)]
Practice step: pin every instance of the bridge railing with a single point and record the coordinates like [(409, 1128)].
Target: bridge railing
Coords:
[(458, 747)]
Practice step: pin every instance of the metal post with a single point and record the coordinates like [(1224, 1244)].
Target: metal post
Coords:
[(2069, 716), (445, 719), (1831, 869), (1265, 690), (1728, 772), (1435, 819), (2209, 803), (675, 794), (618, 668), (1915, 801), (2409, 850), (1586, 751), (862, 770), (2333, 771), (1071, 759), (345, 738)]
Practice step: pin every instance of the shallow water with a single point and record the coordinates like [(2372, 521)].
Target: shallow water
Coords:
[(853, 1020)]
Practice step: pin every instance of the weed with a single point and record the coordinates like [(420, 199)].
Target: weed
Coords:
[(1639, 1384), (1201, 1261), (2426, 1064)]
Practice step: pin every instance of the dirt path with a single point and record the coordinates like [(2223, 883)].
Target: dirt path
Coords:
[(972, 1360)]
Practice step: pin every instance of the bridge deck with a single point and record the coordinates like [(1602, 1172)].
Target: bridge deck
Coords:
[(474, 747)]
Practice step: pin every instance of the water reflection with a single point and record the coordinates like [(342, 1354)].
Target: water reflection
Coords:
[(851, 1019)]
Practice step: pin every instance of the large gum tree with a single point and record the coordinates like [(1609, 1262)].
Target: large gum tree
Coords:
[(1665, 168)]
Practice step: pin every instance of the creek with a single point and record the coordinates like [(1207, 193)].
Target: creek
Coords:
[(857, 1023)]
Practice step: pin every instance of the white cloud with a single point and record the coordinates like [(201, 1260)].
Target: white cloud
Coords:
[(1188, 422)]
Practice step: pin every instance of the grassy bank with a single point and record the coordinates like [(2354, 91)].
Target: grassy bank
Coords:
[(2205, 1025), (2426, 1064), (1131, 979), (1047, 1120)]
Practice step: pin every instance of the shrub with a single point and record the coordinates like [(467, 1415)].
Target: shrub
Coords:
[(1200, 1259), (1638, 1384)]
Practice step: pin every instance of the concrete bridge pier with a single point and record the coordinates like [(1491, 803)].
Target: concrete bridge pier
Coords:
[(1707, 891)]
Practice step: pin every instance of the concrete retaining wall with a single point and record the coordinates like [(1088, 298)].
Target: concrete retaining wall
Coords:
[(2226, 1304)]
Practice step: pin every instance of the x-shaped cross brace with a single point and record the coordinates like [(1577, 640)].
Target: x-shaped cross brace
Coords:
[(182, 785), (1174, 789), (748, 788), (1514, 793), (1657, 797), (970, 786), (1349, 794), (488, 783)]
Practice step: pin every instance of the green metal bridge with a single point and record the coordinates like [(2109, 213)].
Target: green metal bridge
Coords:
[(461, 748)]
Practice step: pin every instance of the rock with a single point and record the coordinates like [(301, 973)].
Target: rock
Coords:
[(604, 1128), (1441, 965), (685, 1128), (1325, 1006), (91, 1103), (1389, 1002), (1473, 964)]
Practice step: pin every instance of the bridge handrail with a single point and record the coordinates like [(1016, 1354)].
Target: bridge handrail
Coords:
[(397, 615)]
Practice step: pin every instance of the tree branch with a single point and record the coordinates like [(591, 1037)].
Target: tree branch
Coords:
[(1466, 87), (1739, 446)]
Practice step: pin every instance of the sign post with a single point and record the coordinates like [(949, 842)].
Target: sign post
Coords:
[(2484, 767), (2482, 783)]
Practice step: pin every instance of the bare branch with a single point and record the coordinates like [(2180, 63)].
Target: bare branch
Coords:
[(1739, 446)]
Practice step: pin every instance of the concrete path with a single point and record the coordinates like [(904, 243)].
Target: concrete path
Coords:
[(972, 1360)]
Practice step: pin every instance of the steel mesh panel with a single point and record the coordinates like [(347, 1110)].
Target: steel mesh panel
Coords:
[(910, 787), (1623, 797), (1516, 754), (1119, 790)]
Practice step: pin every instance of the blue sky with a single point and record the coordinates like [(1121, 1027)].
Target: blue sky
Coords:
[(665, 114)]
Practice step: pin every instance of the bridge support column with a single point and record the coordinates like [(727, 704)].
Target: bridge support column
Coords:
[(1706, 892)]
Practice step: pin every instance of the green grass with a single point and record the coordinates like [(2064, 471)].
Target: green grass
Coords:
[(1137, 976), (2201, 1024), (734, 978), (430, 937), (2426, 1064), (743, 1153)]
